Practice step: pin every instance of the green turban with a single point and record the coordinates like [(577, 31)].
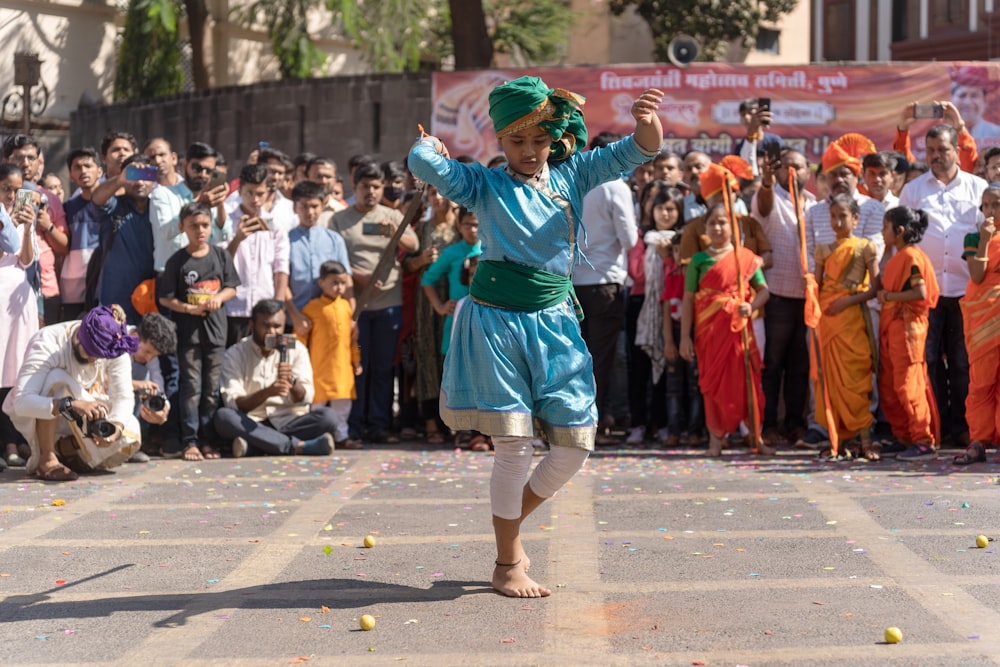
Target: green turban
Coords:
[(527, 101)]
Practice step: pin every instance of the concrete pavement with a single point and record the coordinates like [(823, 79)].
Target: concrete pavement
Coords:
[(654, 557)]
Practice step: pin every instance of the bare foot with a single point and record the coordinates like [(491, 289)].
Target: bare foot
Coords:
[(514, 582), (764, 449), (715, 444)]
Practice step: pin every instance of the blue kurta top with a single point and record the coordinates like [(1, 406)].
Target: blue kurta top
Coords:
[(512, 214), (506, 367)]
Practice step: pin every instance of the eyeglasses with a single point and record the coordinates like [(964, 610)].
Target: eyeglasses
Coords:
[(200, 168), (23, 157)]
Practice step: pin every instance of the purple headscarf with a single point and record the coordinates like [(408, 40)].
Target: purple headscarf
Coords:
[(103, 334)]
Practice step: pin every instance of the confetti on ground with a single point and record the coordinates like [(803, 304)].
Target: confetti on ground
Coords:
[(305, 619), (58, 502), (328, 550)]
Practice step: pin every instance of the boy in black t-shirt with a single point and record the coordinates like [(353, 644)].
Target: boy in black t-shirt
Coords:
[(195, 282)]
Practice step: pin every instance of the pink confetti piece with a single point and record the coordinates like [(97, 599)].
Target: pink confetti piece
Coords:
[(508, 640), (438, 574)]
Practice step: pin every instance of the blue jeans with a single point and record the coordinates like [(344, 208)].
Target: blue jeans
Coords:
[(786, 361), (200, 371), (948, 364), (378, 334)]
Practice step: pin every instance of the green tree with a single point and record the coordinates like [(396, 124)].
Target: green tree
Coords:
[(286, 22), (713, 22), (149, 56)]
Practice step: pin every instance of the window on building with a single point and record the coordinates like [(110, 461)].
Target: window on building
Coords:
[(948, 16), (768, 40), (838, 30)]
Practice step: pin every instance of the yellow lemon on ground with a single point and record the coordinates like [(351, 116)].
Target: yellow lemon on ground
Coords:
[(982, 541), (893, 635), (369, 541), (368, 623)]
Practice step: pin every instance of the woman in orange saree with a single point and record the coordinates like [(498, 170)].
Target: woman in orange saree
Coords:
[(909, 291), (981, 315), (847, 269), (718, 312)]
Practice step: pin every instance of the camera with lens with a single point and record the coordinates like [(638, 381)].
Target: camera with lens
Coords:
[(100, 428), (154, 400)]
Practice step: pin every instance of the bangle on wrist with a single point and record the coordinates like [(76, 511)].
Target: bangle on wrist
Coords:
[(766, 186)]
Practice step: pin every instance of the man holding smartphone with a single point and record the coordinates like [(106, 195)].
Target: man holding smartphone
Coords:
[(755, 117), (23, 151), (165, 203)]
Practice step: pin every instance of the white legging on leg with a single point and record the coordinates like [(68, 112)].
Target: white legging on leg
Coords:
[(510, 472)]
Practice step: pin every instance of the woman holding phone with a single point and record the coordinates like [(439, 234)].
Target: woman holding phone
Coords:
[(18, 305)]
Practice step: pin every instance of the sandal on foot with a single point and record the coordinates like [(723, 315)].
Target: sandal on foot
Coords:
[(57, 474), (192, 453), (434, 438), (210, 453), (870, 450), (974, 453)]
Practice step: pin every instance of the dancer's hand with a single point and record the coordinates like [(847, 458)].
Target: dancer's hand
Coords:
[(644, 107)]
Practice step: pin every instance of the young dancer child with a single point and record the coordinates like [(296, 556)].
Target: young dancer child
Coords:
[(718, 311), (981, 315), (333, 347), (847, 270), (195, 282), (517, 351), (909, 291)]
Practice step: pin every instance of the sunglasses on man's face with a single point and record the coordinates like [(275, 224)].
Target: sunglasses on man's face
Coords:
[(200, 168)]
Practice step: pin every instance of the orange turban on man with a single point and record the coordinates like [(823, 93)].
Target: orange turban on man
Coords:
[(847, 151), (712, 179)]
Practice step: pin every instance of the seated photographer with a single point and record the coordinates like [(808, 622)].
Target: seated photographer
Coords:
[(267, 389), (73, 399), (157, 335)]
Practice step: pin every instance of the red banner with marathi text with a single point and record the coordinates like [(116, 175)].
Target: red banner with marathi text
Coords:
[(812, 104)]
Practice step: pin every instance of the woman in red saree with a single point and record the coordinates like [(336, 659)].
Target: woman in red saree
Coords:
[(981, 315), (718, 287), (909, 291), (847, 269)]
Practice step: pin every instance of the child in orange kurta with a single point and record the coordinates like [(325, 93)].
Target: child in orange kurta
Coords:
[(909, 291), (981, 315), (333, 345)]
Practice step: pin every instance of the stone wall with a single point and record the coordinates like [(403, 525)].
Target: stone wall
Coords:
[(335, 117)]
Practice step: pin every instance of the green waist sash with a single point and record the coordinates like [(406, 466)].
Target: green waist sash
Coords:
[(518, 287)]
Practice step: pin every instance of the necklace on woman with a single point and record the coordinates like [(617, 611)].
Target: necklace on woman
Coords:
[(718, 251)]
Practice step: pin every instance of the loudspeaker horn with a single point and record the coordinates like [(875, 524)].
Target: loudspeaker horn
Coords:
[(683, 50)]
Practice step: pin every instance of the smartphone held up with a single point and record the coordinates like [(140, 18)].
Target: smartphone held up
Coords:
[(932, 110)]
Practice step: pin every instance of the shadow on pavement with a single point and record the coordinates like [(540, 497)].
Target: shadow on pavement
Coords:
[(333, 593)]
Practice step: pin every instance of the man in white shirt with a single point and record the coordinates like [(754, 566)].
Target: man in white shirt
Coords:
[(951, 199), (267, 391), (610, 231), (786, 356)]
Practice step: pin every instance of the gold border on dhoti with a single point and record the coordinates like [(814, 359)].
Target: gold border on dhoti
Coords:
[(516, 424)]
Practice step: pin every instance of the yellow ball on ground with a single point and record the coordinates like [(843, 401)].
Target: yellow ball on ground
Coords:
[(982, 541), (893, 635), (368, 622), (369, 541)]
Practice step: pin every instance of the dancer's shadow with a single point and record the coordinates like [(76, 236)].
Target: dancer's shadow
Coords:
[(332, 593)]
